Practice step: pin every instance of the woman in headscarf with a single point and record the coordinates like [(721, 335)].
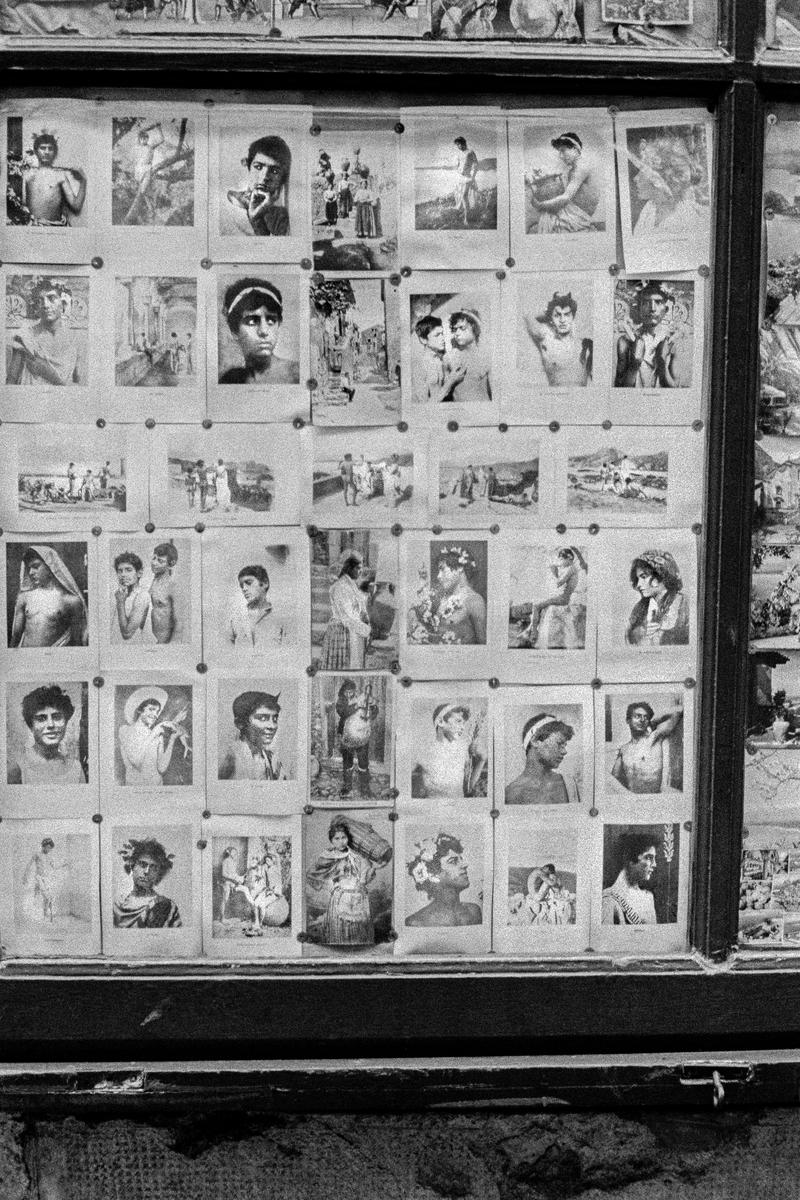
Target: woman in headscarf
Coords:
[(50, 609), (346, 873), (661, 616), (344, 644)]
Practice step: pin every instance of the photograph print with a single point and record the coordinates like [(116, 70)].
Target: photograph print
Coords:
[(769, 895), (150, 586), (542, 880), (255, 182), (775, 594), (355, 351), (554, 20), (779, 345), (47, 595), (154, 735), (443, 882), (648, 581), (654, 333), (648, 12), (363, 477), (258, 329), (485, 477), (155, 331), (447, 589), (627, 482), (354, 200), (555, 331), (47, 734), (352, 739), (348, 856), (47, 330), (151, 872), (90, 485), (665, 191), (354, 599), (455, 175), (48, 158), (644, 739), (252, 895), (152, 171), (447, 746), (257, 724), (776, 501), (51, 906), (640, 874), (452, 346), (544, 748), (547, 596)]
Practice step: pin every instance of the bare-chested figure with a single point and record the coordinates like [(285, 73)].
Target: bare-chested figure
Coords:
[(50, 609), (642, 764), (52, 194), (567, 361), (163, 616), (45, 351)]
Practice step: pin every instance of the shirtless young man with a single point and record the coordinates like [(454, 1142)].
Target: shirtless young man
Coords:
[(435, 376), (50, 609), (567, 362), (131, 601), (462, 609), (46, 351), (642, 762), (163, 616), (52, 193), (545, 742)]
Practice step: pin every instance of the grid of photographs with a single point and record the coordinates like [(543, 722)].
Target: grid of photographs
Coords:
[(351, 576)]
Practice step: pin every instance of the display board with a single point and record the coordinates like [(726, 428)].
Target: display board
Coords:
[(351, 575)]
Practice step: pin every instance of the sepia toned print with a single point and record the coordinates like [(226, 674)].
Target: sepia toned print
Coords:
[(50, 484), (220, 485), (644, 742), (153, 727), (555, 332), (252, 886), (488, 489), (451, 348), (611, 479), (564, 182), (354, 599), (348, 879), (450, 754), (47, 734), (640, 874), (447, 603), (543, 896), (668, 171), (440, 870), (47, 330), (150, 603), (152, 171), (654, 333), (352, 738), (354, 201), (258, 331), (455, 178), (155, 331), (355, 351), (47, 595), (661, 616), (552, 771), (47, 175), (362, 477), (257, 731), (547, 598), (54, 885)]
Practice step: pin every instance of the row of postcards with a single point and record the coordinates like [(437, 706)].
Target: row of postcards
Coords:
[(571, 345), (521, 607), (434, 185), (271, 744), (71, 478), (344, 884)]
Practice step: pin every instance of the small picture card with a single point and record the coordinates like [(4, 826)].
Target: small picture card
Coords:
[(152, 734), (257, 184), (443, 880), (659, 342), (252, 887), (48, 352), (483, 477), (353, 184), (640, 884), (544, 740), (50, 590), (52, 907), (444, 746), (226, 475), (664, 173), (257, 338), (365, 477), (449, 611), (154, 340), (453, 360), (563, 200), (560, 329), (351, 739), (654, 13), (74, 477), (256, 743), (51, 186), (771, 776), (547, 610), (773, 733), (624, 477), (49, 740), (644, 741), (648, 618), (769, 892), (454, 190), (775, 595), (255, 589), (150, 608), (151, 886), (355, 599), (348, 868), (355, 351), (777, 498), (542, 884)]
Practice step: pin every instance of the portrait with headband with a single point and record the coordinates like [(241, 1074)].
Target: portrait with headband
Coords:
[(255, 346), (563, 184), (451, 752), (545, 738)]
